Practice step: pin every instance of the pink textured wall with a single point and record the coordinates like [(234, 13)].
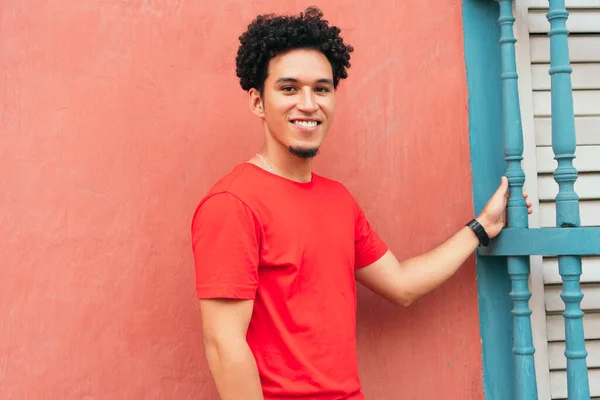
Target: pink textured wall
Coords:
[(116, 117)]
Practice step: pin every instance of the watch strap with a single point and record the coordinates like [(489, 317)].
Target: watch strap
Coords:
[(479, 231)]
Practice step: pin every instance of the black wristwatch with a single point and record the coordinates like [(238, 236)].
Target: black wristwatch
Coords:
[(479, 231)]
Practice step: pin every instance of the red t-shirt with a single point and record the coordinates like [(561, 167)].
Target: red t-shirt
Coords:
[(293, 248)]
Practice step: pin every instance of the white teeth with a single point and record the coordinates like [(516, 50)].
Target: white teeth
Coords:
[(308, 124)]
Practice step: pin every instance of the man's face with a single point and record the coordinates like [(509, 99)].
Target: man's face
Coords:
[(298, 100)]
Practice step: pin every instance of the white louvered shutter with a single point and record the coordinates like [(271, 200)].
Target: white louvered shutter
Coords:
[(533, 64)]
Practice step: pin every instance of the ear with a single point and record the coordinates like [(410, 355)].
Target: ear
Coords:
[(256, 103)]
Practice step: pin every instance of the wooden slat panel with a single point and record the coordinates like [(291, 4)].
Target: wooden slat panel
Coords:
[(581, 48), (587, 159), (582, 20), (585, 102), (584, 76), (585, 79), (558, 383), (587, 130), (555, 327), (591, 297), (588, 210), (543, 4), (557, 359), (587, 186), (590, 270)]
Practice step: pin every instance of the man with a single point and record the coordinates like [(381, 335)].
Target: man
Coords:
[(278, 248)]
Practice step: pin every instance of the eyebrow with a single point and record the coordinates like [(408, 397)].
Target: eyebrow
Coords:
[(294, 80)]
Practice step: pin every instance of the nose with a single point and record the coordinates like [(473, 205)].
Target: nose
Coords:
[(307, 101)]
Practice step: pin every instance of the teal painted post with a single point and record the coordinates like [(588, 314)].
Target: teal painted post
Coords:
[(567, 201), (518, 266), (483, 63)]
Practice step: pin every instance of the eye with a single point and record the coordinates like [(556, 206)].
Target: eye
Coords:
[(322, 90), (288, 89)]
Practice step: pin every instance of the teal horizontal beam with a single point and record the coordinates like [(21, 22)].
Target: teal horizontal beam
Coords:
[(545, 242)]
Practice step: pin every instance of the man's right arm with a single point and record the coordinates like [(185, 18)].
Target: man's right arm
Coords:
[(226, 245), (232, 364)]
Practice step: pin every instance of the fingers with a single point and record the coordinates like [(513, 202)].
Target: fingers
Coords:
[(504, 187), (503, 184)]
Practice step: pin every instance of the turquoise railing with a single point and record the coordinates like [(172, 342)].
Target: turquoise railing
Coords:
[(518, 266), (568, 241), (567, 201)]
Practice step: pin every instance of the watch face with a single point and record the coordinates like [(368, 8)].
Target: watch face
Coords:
[(479, 231)]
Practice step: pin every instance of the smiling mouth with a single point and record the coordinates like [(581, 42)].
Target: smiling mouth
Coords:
[(306, 124)]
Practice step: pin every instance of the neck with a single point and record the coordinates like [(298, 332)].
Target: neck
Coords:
[(284, 163)]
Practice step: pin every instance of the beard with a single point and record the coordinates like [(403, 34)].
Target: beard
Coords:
[(304, 152)]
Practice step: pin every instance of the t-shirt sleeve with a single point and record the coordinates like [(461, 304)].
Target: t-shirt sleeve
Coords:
[(226, 246), (368, 246)]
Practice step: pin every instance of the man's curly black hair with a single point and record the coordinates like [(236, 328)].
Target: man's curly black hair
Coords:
[(269, 35)]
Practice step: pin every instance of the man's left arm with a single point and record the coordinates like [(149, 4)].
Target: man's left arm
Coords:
[(406, 281)]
